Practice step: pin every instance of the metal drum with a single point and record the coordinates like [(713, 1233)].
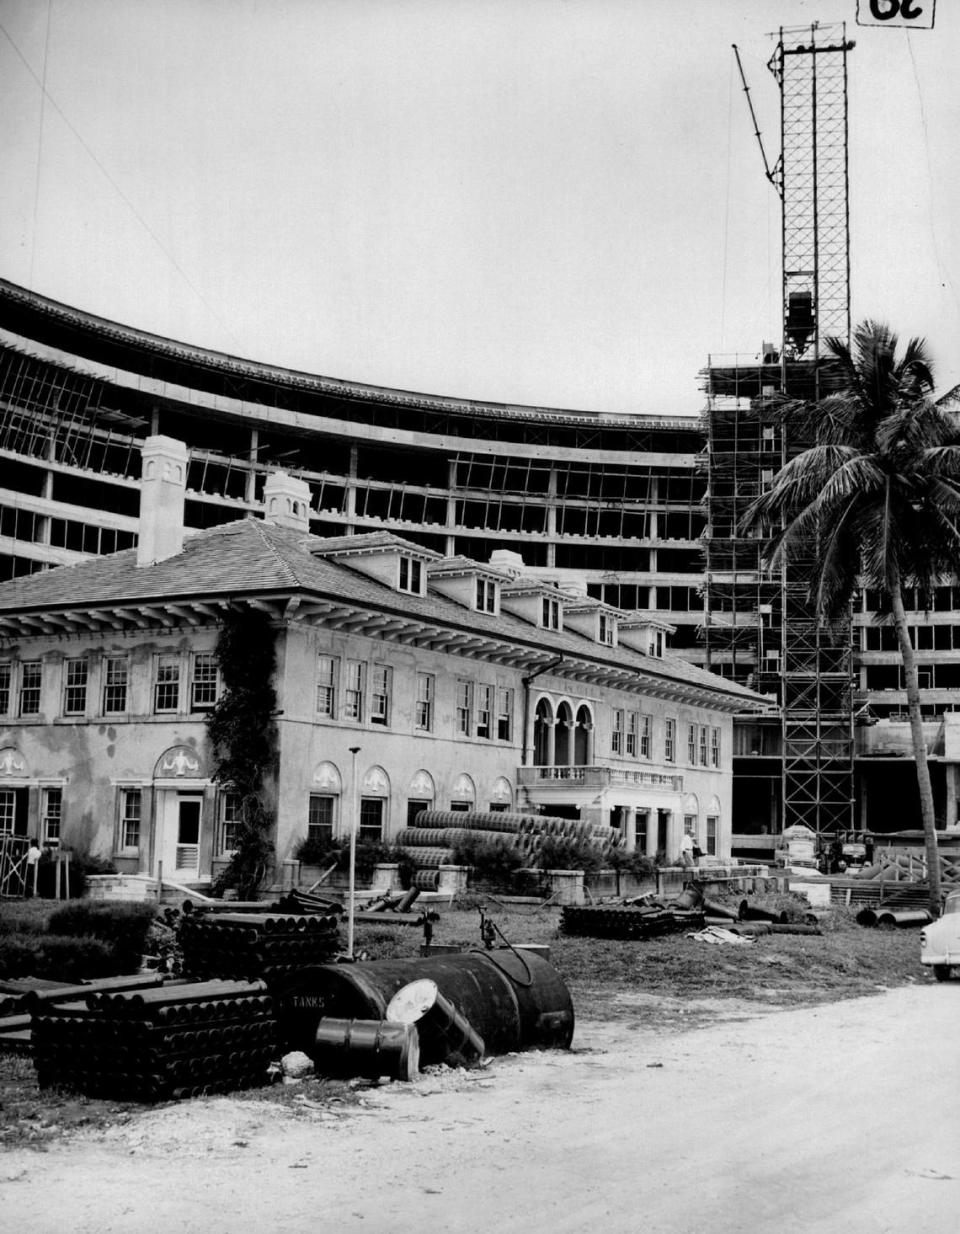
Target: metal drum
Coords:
[(367, 1048), (514, 1000)]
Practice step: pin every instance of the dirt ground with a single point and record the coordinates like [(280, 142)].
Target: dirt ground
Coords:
[(816, 1120), (782, 1085)]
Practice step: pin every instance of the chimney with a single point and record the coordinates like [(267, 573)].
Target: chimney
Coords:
[(286, 502), (163, 486)]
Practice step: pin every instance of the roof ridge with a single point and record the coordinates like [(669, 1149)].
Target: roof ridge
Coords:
[(290, 574)]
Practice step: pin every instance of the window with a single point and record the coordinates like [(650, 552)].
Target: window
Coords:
[(645, 727), (505, 715), (131, 813), (231, 816), (670, 741), (320, 815), (114, 685), (464, 706), (484, 710), (327, 667), (51, 813), (6, 676), (411, 575), (656, 643), (371, 819), (703, 745), (75, 687), (166, 686), (550, 614), (713, 826), (31, 676), (206, 680), (606, 629), (8, 811), (692, 744), (690, 823), (381, 680), (353, 692), (616, 737), (486, 596), (631, 734), (714, 747), (423, 716)]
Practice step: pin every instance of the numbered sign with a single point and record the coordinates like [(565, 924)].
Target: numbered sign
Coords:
[(916, 14)]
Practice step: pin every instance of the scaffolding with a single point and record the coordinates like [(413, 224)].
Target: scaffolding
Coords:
[(759, 626)]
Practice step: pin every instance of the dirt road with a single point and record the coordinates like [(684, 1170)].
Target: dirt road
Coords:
[(840, 1118)]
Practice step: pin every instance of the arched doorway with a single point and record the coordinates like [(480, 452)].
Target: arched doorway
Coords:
[(563, 741), (583, 737), (543, 734)]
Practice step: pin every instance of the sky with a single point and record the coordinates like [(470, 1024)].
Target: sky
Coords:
[(549, 202)]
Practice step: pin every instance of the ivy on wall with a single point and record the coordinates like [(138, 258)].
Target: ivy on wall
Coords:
[(243, 740)]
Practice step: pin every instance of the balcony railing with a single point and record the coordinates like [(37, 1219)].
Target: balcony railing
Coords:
[(597, 777)]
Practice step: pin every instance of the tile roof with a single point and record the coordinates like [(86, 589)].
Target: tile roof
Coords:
[(253, 557)]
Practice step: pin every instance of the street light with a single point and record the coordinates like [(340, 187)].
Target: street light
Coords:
[(354, 750)]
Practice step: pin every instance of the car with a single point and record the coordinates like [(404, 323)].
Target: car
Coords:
[(940, 940)]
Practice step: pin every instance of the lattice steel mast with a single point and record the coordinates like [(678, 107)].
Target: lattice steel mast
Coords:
[(810, 67)]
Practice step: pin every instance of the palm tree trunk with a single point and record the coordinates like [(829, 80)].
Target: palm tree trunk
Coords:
[(919, 744)]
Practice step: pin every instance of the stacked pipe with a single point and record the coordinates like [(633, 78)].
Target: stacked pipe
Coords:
[(628, 921), (158, 1045), (248, 946), (433, 840)]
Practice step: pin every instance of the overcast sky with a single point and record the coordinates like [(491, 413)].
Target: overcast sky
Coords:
[(555, 202)]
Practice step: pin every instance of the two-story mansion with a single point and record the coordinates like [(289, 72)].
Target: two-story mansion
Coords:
[(404, 680)]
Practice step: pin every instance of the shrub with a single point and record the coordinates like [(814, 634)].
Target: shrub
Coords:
[(122, 927), (318, 852), (57, 957), (492, 861), (630, 863), (82, 865), (576, 854)]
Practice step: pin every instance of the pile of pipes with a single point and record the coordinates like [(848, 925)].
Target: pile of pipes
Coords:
[(437, 834), (627, 920), (894, 916), (158, 1044), (251, 946)]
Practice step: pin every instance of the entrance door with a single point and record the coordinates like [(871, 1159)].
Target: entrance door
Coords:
[(178, 845)]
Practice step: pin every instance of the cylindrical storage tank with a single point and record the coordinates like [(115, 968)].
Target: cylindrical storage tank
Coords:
[(515, 1002)]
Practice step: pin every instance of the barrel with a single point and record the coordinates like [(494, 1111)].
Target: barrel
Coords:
[(366, 1048), (513, 1000)]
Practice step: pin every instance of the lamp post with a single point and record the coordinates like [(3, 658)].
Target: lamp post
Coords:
[(354, 750)]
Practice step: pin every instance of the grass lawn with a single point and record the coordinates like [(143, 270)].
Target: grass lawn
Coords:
[(667, 982)]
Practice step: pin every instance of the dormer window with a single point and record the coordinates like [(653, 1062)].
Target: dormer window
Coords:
[(486, 596), (656, 643), (550, 614), (411, 575), (605, 630)]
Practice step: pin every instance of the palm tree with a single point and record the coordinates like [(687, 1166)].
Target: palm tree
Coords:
[(875, 501)]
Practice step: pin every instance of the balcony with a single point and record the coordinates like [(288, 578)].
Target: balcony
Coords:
[(596, 777)]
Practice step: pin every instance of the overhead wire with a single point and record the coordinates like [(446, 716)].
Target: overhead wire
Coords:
[(45, 94), (43, 108)]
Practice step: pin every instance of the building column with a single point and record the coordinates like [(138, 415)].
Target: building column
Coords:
[(951, 778), (551, 527), (350, 510), (629, 828), (451, 510), (551, 727), (589, 752), (653, 826)]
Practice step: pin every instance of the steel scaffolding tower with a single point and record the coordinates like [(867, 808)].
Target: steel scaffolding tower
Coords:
[(810, 66), (785, 650)]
